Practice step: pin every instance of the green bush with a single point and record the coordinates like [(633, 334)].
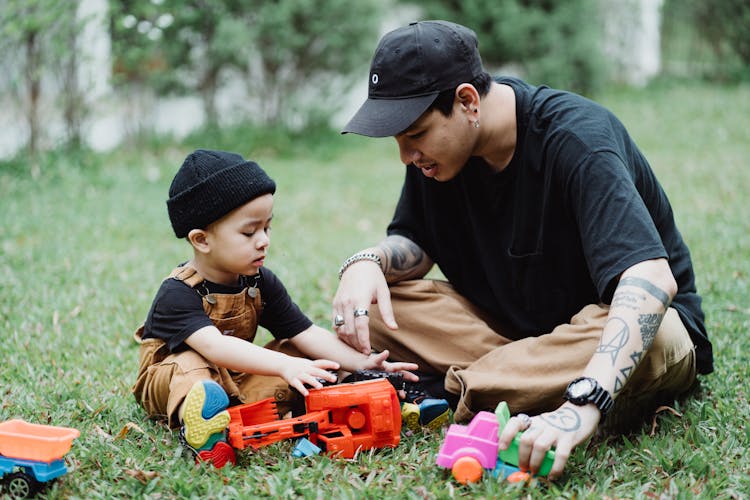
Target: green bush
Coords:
[(554, 43), (710, 40), (292, 56)]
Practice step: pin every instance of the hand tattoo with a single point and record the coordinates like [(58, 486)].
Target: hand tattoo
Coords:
[(565, 419)]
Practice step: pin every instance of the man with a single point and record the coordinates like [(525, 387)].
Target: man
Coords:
[(568, 283)]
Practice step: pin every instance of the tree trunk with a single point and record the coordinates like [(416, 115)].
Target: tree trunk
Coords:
[(33, 78), (73, 102), (208, 89)]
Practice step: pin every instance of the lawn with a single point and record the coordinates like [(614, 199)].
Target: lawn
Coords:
[(87, 241)]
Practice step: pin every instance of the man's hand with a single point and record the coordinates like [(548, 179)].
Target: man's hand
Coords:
[(564, 429), (362, 284)]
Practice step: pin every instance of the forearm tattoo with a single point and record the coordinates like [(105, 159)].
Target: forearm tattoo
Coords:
[(617, 332), (627, 371), (649, 287), (565, 419), (649, 326), (614, 337), (403, 258)]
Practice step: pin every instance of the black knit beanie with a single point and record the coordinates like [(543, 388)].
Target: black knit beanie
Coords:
[(209, 185)]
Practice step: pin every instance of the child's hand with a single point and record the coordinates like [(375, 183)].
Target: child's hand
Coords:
[(299, 372), (378, 362)]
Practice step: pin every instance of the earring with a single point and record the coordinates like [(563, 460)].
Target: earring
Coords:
[(476, 124)]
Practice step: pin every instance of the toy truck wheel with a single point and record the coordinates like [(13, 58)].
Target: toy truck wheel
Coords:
[(467, 470), (22, 485)]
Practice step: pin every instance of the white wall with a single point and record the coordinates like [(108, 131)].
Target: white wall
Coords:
[(632, 39)]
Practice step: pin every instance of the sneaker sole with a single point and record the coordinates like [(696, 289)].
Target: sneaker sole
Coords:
[(204, 412), (219, 456), (410, 416)]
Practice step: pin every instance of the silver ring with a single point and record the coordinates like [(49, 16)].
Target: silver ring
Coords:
[(525, 421), (360, 312), (338, 320)]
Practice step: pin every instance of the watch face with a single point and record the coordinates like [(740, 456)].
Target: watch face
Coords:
[(582, 388)]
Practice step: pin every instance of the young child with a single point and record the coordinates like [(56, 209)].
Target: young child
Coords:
[(196, 350)]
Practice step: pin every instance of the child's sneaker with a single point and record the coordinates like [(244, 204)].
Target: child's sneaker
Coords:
[(205, 420), (420, 410)]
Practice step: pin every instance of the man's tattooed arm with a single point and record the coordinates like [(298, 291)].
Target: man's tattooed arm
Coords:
[(638, 307), (403, 259)]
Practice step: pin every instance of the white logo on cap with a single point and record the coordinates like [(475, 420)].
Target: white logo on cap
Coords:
[(375, 78)]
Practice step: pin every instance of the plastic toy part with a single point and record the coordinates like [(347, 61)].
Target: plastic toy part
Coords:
[(518, 476), (477, 440), (467, 470), (505, 471), (468, 450), (418, 409), (305, 448), (341, 419), (31, 455), (43, 443), (510, 456)]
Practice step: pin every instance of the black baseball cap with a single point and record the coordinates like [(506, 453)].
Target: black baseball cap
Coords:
[(411, 66)]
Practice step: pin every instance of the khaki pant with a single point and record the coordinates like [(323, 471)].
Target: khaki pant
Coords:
[(448, 336)]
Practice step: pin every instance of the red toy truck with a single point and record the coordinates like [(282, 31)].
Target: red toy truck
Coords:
[(341, 419), (31, 455)]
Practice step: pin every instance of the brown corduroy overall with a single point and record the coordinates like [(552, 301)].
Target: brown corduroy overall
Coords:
[(165, 378)]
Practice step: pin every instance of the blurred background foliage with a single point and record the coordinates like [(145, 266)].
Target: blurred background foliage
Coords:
[(281, 50), (295, 59), (707, 39), (548, 41)]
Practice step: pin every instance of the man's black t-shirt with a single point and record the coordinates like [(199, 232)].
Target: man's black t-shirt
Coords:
[(577, 205), (177, 310)]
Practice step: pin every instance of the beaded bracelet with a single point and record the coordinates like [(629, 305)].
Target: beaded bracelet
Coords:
[(358, 257)]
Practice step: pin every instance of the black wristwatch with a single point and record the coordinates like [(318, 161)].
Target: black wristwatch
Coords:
[(585, 390)]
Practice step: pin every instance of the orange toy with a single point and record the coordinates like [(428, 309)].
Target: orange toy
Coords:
[(341, 419), (42, 443)]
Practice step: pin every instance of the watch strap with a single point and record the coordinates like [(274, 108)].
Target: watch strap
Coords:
[(599, 396)]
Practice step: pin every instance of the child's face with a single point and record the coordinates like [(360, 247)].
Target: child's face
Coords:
[(239, 241)]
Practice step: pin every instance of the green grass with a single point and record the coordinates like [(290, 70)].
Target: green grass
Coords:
[(86, 243)]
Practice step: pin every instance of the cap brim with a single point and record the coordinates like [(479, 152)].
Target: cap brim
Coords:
[(388, 117)]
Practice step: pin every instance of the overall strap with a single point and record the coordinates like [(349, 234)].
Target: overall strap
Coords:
[(187, 275)]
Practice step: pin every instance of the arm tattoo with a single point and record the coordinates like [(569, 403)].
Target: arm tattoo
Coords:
[(404, 255), (403, 258), (614, 339), (626, 298), (646, 285), (565, 419), (649, 326), (620, 382)]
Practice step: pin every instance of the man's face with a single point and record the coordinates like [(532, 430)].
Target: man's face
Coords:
[(438, 145)]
